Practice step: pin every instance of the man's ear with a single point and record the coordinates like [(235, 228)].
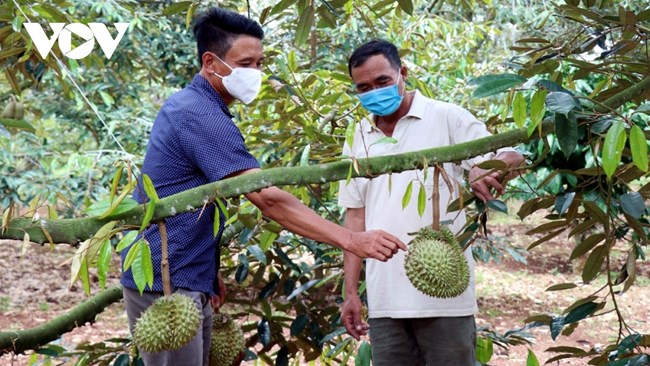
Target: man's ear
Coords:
[(404, 71)]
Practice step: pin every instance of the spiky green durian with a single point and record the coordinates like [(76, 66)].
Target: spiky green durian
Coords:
[(227, 341), (435, 264), (168, 324)]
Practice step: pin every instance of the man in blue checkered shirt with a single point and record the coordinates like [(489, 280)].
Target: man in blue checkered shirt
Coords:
[(193, 142)]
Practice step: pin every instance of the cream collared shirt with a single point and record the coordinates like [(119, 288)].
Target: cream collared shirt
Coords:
[(428, 124)]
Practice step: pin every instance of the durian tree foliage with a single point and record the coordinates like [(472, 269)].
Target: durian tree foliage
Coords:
[(579, 66)]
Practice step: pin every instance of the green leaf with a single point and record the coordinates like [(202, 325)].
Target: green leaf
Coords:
[(305, 22), (492, 164), (556, 326), (134, 251), (593, 263), (519, 110), (560, 102), (85, 279), (364, 355), (149, 188), (122, 360), (422, 200), (639, 147), (498, 205), (566, 130), (142, 268), (190, 14), (633, 204), (580, 312), (116, 182), (562, 286), (407, 195), (103, 262), (406, 5), (100, 207), (126, 240), (563, 202), (258, 253), (613, 147), (385, 140), (17, 123), (268, 289), (176, 7), (264, 332), (629, 343), (242, 269), (148, 215), (298, 325), (531, 360), (267, 239), (484, 349), (537, 109), (147, 264), (216, 225), (586, 245), (302, 288), (304, 157), (495, 84), (118, 201), (601, 126)]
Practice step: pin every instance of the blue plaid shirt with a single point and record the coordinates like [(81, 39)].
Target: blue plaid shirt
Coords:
[(193, 142)]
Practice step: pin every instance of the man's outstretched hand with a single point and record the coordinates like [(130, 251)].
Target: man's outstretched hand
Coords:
[(375, 244)]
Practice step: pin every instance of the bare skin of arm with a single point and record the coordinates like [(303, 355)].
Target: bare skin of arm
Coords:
[(355, 220), (482, 187), (289, 212)]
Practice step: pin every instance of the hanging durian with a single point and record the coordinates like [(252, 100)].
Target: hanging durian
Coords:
[(168, 324), (227, 342), (435, 264)]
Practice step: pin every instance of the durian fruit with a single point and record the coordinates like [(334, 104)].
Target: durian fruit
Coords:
[(227, 341), (435, 264), (168, 324)]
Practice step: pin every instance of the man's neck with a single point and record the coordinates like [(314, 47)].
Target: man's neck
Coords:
[(387, 123)]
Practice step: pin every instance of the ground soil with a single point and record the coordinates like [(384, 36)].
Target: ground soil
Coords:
[(34, 288)]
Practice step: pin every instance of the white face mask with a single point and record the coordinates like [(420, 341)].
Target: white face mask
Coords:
[(243, 83)]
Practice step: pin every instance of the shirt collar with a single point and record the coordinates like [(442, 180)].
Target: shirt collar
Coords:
[(205, 88), (418, 106)]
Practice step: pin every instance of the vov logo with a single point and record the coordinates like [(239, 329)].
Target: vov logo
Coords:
[(63, 32)]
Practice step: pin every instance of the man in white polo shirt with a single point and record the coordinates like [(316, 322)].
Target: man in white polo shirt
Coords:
[(406, 326)]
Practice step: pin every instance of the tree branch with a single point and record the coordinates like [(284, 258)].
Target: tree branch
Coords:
[(21, 340), (76, 230)]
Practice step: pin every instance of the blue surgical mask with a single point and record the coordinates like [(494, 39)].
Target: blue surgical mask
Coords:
[(383, 101)]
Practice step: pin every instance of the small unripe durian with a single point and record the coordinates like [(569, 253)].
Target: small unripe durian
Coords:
[(168, 324), (227, 341), (435, 264)]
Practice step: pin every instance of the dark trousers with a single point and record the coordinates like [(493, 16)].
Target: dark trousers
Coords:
[(196, 352), (448, 341)]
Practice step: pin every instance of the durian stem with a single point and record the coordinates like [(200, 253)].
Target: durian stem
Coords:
[(436, 198), (164, 263)]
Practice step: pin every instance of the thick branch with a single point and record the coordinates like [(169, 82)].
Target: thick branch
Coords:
[(75, 230), (21, 340)]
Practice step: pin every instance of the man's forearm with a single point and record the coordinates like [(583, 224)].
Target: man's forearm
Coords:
[(355, 220), (352, 268)]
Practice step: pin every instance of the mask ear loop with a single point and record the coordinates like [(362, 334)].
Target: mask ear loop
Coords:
[(223, 62)]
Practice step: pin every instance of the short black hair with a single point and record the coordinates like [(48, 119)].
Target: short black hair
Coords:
[(373, 48), (216, 29)]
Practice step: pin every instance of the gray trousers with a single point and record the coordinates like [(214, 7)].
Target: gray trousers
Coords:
[(423, 341), (196, 352)]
